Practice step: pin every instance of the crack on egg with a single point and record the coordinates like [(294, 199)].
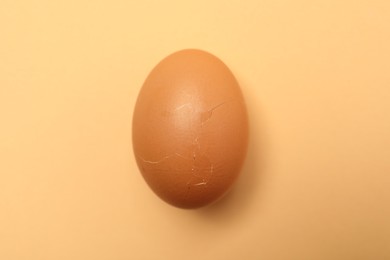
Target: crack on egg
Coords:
[(205, 116), (182, 106), (162, 159), (168, 113), (202, 170), (205, 180)]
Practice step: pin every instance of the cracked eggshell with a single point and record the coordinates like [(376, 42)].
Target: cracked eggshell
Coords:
[(190, 129)]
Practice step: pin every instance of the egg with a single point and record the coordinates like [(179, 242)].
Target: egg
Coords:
[(190, 129)]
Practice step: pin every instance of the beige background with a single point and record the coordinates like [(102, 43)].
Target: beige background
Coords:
[(316, 77)]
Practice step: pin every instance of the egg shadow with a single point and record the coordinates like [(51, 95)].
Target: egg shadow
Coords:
[(230, 207)]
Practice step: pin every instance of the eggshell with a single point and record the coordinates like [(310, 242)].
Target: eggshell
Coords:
[(190, 129)]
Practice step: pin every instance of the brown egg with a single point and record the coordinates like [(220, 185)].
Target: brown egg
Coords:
[(190, 129)]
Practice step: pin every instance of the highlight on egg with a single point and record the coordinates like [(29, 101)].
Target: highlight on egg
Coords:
[(190, 129)]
